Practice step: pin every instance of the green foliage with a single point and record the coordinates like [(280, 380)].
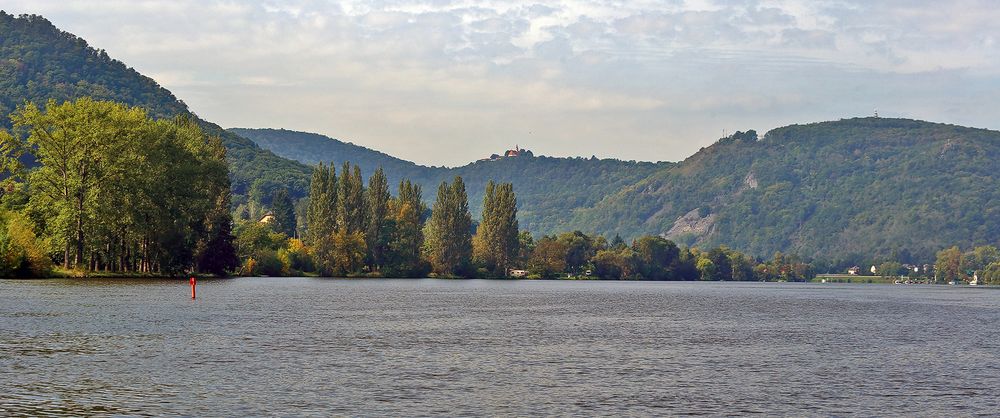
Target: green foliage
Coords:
[(407, 235), (117, 191), (852, 191), (656, 257), (580, 248), (22, 253), (379, 225), (549, 189), (351, 200), (948, 265), (321, 215), (952, 265), (549, 258), (255, 239), (39, 62), (495, 246), (284, 213), (449, 235), (341, 254)]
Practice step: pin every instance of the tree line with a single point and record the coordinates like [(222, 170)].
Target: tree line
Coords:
[(101, 186), (346, 227)]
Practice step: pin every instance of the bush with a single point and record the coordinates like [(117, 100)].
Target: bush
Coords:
[(22, 253)]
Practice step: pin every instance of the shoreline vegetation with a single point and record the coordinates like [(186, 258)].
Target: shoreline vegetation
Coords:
[(102, 190)]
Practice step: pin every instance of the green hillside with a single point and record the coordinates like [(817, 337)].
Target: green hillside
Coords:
[(845, 190), (548, 189), (39, 62), (312, 149)]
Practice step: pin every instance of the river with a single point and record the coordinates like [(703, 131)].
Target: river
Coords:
[(301, 346)]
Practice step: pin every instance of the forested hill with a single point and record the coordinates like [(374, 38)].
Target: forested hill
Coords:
[(845, 190), (548, 189), (311, 149), (39, 62)]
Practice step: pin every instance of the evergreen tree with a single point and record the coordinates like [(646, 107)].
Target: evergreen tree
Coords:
[(284, 213)]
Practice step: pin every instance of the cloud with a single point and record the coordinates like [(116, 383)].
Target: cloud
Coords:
[(469, 76)]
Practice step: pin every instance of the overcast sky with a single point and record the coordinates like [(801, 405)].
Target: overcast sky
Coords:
[(445, 82)]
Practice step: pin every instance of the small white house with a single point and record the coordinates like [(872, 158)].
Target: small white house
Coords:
[(517, 273)]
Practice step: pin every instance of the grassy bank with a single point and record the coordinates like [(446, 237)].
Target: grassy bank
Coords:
[(847, 278), (60, 273)]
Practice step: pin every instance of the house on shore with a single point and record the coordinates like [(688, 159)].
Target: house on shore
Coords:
[(518, 274)]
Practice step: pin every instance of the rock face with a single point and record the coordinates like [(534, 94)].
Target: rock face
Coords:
[(691, 224), (750, 181)]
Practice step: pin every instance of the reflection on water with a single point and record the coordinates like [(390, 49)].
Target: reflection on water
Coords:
[(448, 347)]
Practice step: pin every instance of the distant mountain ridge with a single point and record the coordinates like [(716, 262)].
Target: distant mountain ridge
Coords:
[(548, 189), (845, 190)]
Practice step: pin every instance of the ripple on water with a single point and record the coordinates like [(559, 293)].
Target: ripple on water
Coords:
[(445, 347)]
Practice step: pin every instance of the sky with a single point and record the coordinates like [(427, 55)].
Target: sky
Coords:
[(444, 82)]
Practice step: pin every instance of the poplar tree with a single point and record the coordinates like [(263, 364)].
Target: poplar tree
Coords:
[(449, 238), (377, 230), (351, 200), (407, 236), (505, 230), (496, 243), (321, 215)]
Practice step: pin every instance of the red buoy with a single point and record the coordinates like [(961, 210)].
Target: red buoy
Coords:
[(193, 283)]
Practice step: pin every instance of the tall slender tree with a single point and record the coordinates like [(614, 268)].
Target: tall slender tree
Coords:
[(496, 243), (407, 235), (379, 225), (321, 215), (449, 238), (351, 200)]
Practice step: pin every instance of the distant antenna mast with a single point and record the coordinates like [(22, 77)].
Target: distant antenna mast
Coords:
[(876, 113)]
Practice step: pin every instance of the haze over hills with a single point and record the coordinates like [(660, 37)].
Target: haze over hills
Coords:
[(846, 190)]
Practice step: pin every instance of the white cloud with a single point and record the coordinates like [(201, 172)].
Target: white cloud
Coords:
[(470, 75)]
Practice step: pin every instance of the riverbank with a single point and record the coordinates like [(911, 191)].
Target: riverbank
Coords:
[(60, 273)]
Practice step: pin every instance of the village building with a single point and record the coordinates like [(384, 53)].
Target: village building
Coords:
[(267, 218), (517, 151)]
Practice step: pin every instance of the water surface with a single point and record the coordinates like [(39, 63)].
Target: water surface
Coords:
[(280, 346)]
